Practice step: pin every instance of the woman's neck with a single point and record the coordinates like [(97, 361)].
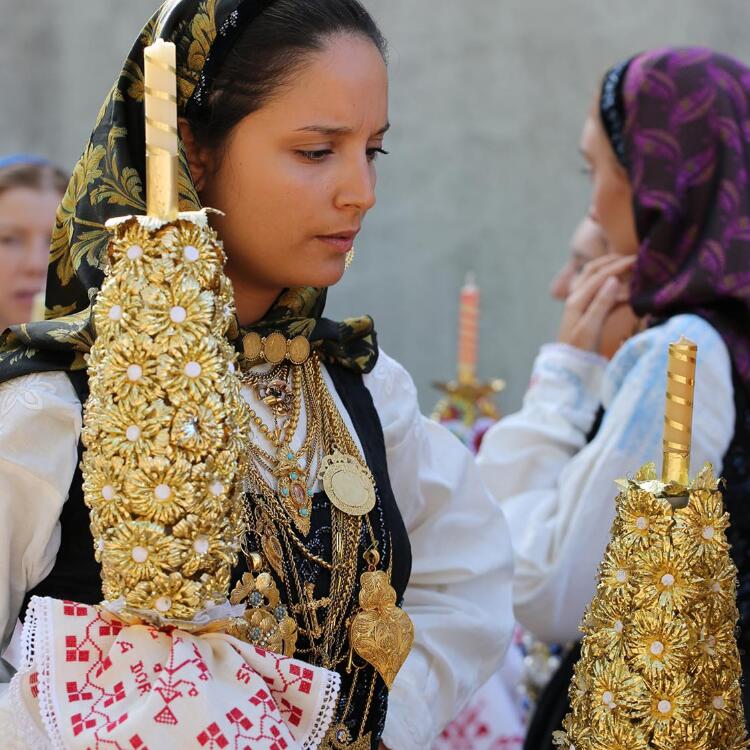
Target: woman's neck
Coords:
[(252, 302)]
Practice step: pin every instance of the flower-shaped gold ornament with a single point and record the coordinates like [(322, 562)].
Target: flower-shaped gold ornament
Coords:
[(643, 518), (666, 707), (606, 626), (666, 581), (160, 490), (130, 369), (177, 314), (190, 372), (136, 551), (198, 427), (266, 622), (657, 641), (617, 575), (701, 526)]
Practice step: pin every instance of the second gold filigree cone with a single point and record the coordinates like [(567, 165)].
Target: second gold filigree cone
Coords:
[(381, 633)]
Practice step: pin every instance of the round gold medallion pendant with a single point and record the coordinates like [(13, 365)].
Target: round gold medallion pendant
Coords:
[(349, 485)]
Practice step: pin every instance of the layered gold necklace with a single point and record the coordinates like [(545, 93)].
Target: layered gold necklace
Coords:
[(283, 480)]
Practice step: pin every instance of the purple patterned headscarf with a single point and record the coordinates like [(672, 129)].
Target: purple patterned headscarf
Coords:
[(686, 146)]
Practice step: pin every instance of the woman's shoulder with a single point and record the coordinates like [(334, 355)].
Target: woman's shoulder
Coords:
[(389, 377), (36, 392), (393, 393)]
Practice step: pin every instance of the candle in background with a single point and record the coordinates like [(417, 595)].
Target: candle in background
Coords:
[(678, 420), (468, 331), (160, 76)]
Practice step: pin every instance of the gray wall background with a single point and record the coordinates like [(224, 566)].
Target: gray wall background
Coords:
[(488, 98)]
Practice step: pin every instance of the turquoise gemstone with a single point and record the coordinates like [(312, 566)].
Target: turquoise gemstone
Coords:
[(310, 493), (304, 512), (290, 456), (285, 492), (293, 475)]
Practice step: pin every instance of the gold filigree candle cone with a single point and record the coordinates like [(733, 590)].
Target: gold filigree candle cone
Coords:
[(165, 425), (659, 666)]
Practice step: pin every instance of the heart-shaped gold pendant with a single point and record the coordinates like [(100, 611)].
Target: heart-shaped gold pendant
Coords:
[(381, 633)]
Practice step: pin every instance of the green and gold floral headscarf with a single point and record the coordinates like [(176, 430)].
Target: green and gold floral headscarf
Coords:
[(108, 181)]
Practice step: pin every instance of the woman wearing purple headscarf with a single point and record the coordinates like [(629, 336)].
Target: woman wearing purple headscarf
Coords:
[(668, 146)]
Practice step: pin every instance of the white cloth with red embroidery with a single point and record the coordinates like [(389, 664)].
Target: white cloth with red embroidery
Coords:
[(89, 682)]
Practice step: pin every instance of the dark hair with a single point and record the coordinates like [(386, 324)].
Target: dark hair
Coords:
[(272, 47), (35, 174)]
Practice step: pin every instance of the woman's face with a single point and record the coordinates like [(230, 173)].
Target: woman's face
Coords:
[(611, 194), (27, 217), (587, 244), (297, 177)]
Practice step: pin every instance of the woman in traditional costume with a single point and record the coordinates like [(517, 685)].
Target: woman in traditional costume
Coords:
[(364, 525), (30, 191), (668, 146)]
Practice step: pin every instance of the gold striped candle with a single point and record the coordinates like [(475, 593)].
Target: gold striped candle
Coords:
[(160, 76), (678, 420)]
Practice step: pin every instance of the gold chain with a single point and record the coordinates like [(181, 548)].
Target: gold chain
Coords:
[(326, 429)]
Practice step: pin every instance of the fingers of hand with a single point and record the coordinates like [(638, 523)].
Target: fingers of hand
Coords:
[(588, 286), (614, 262), (604, 300)]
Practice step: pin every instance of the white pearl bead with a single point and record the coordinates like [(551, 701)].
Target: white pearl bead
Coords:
[(139, 554), (163, 604), (641, 523), (162, 492), (133, 433), (708, 533), (135, 373), (108, 492), (618, 626), (719, 702), (178, 314), (216, 488), (657, 648), (200, 545), (664, 706), (667, 580), (193, 369), (134, 252), (232, 368), (115, 312), (607, 698), (190, 253), (621, 576), (716, 587)]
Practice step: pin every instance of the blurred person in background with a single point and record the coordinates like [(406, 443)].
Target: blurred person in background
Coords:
[(30, 191), (667, 147)]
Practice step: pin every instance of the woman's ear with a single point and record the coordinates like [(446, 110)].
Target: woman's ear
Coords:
[(197, 157)]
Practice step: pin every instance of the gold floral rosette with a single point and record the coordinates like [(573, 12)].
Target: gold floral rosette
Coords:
[(659, 666), (164, 425)]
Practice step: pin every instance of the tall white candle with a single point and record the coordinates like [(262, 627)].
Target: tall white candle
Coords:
[(160, 74)]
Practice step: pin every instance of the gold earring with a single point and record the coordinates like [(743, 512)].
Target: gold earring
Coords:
[(349, 259)]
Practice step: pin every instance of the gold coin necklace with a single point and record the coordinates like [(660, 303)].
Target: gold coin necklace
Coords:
[(347, 481)]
